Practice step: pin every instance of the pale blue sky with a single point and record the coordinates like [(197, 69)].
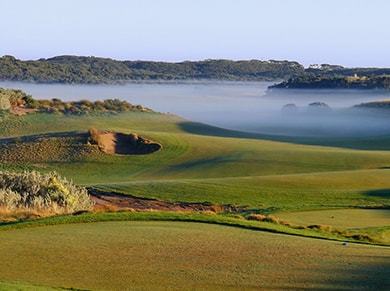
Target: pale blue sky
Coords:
[(349, 32)]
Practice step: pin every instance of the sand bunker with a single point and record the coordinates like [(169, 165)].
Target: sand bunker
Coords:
[(122, 144)]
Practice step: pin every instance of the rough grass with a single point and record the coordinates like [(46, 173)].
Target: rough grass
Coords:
[(41, 193), (372, 224), (200, 256), (341, 218)]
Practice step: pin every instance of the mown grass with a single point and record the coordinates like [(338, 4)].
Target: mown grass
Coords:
[(273, 192), (265, 175), (189, 156), (209, 218), (168, 255), (222, 167)]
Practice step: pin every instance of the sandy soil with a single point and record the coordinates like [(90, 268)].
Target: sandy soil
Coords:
[(120, 143), (110, 201)]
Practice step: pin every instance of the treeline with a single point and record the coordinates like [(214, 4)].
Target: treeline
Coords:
[(20, 103), (93, 70), (328, 71), (385, 104), (325, 82)]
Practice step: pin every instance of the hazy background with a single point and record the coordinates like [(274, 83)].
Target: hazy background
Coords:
[(348, 32), (246, 106)]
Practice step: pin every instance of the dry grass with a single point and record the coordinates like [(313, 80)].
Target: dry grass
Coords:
[(23, 213), (42, 193)]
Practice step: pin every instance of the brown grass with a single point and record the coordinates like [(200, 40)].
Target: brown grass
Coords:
[(7, 215)]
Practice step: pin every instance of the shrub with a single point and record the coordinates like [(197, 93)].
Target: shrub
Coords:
[(37, 191), (5, 104)]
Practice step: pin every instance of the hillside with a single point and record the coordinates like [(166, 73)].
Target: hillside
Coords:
[(377, 105), (336, 82), (92, 70), (95, 70)]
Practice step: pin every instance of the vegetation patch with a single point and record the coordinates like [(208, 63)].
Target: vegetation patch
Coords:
[(357, 234), (94, 70), (383, 104), (20, 103), (336, 82), (42, 193)]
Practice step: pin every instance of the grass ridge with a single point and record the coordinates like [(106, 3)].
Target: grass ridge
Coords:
[(181, 217)]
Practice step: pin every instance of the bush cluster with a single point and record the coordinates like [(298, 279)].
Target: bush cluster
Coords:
[(93, 70), (84, 106), (11, 99), (36, 191)]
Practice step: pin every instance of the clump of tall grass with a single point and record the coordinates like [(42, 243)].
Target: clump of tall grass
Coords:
[(41, 192)]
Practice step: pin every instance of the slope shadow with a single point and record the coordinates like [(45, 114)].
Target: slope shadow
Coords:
[(361, 143), (384, 193), (40, 136), (353, 276)]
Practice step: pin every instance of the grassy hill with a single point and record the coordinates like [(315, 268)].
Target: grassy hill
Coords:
[(195, 167), (199, 163)]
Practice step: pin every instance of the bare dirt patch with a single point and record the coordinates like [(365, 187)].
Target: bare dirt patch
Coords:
[(111, 201), (121, 143)]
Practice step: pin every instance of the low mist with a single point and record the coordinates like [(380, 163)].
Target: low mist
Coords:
[(247, 106)]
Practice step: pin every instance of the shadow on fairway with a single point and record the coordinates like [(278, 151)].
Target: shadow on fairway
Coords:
[(384, 193), (360, 143), (364, 276)]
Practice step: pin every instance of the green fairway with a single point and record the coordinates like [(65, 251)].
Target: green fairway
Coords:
[(228, 168), (164, 255), (315, 190), (342, 218), (155, 250)]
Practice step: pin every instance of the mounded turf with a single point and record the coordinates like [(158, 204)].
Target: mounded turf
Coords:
[(255, 164), (178, 255), (230, 167), (200, 163)]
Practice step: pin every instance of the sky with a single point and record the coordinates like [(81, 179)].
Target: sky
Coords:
[(346, 32)]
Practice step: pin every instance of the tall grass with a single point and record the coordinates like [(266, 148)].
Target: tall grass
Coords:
[(41, 192)]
